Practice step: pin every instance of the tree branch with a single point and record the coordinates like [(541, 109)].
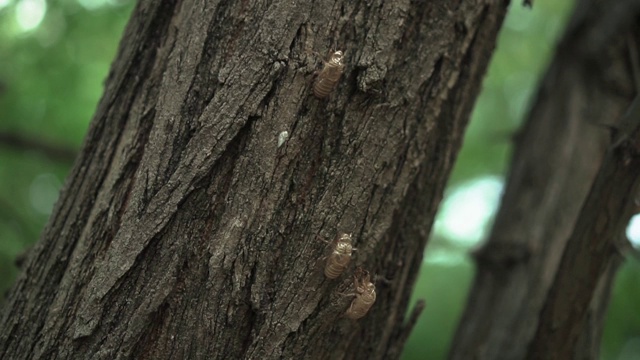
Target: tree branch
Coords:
[(597, 24), (556, 159), (588, 252), (19, 142)]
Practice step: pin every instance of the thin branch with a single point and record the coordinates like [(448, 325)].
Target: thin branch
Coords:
[(631, 118), (602, 219), (401, 339), (19, 142), (597, 24)]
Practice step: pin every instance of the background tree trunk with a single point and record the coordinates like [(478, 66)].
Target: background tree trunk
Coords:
[(558, 154), (186, 230)]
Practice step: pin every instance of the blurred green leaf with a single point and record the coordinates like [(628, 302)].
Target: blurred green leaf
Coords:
[(50, 83)]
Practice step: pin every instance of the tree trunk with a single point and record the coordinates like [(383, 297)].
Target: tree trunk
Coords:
[(189, 225), (558, 153)]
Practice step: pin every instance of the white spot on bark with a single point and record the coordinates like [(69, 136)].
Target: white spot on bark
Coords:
[(282, 138)]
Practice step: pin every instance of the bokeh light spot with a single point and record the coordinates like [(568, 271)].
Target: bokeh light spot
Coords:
[(468, 209), (633, 231), (30, 13)]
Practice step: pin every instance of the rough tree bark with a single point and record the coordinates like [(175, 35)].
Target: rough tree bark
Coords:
[(558, 153), (186, 230)]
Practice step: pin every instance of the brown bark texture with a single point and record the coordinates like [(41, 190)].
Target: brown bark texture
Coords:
[(189, 225), (558, 154)]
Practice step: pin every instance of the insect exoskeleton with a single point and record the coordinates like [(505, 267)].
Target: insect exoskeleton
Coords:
[(329, 75), (365, 295), (340, 256)]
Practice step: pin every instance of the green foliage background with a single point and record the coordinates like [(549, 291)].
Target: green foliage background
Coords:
[(51, 80)]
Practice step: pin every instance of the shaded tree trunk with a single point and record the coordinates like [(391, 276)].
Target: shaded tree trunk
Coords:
[(559, 151), (188, 226)]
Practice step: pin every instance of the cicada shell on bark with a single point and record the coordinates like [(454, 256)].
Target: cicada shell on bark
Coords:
[(340, 256), (365, 295), (329, 75)]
